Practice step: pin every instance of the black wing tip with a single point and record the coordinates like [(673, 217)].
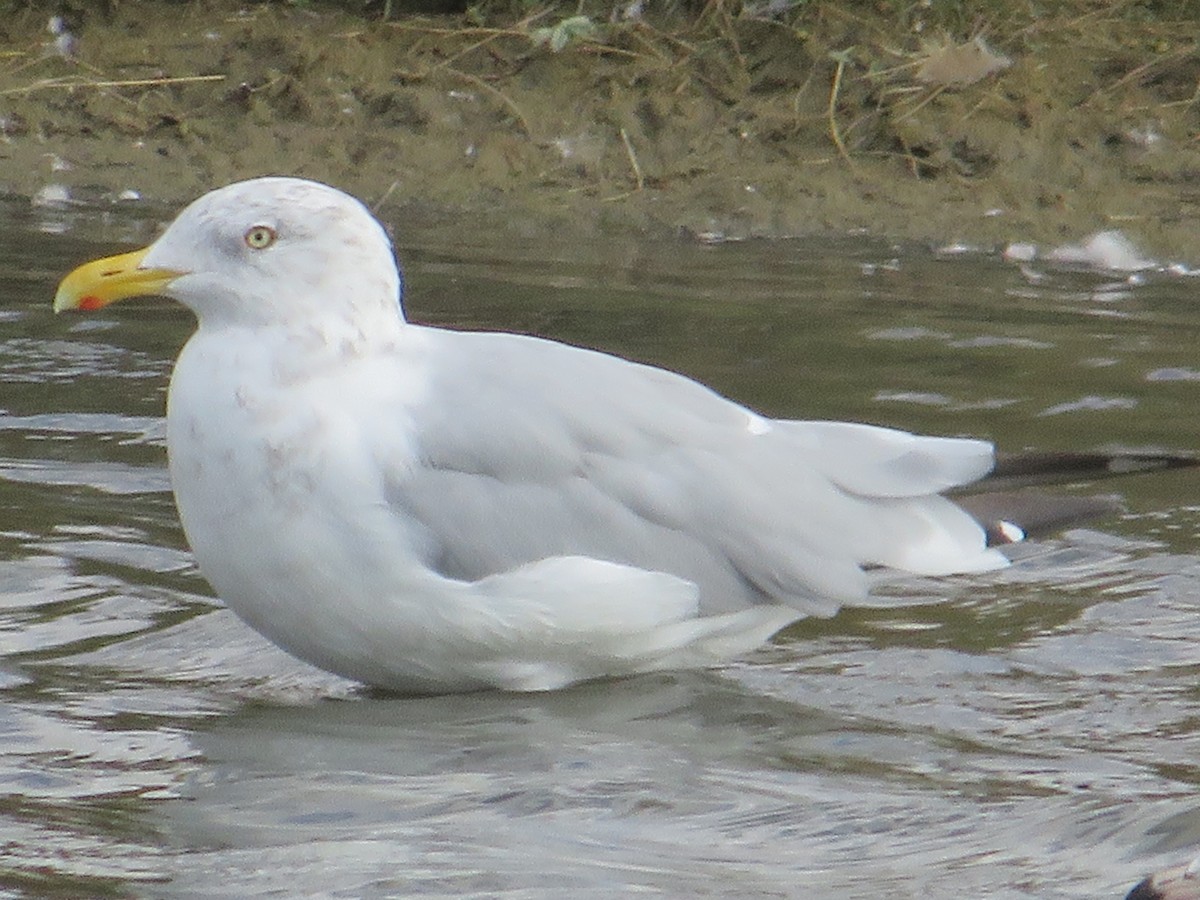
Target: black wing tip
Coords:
[(1062, 467), (1179, 883), (1145, 890)]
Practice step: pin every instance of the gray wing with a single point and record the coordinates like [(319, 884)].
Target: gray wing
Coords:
[(531, 449)]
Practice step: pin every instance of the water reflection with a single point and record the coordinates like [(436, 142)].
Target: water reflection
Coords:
[(1031, 734)]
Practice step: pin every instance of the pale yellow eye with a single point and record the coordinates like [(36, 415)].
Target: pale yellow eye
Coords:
[(260, 237)]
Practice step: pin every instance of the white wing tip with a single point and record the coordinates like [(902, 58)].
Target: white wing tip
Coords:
[(1008, 532)]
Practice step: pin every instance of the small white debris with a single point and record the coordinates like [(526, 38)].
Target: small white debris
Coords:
[(1147, 137), (564, 146), (1103, 250), (961, 64), (772, 9), (52, 195), (1020, 252), (57, 163), (65, 43), (633, 12), (570, 30), (956, 248), (12, 125), (129, 194)]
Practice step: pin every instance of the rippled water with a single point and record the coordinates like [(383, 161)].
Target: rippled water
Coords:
[(1034, 734)]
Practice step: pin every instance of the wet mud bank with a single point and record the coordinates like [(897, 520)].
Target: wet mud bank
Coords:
[(729, 121)]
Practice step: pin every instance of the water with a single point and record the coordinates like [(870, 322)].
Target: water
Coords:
[(1033, 734)]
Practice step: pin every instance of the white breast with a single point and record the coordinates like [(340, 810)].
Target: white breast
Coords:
[(280, 493)]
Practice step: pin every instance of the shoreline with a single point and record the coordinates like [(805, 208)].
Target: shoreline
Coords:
[(760, 130)]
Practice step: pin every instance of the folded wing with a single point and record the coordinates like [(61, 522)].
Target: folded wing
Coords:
[(536, 450)]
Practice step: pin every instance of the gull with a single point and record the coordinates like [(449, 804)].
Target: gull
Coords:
[(427, 510)]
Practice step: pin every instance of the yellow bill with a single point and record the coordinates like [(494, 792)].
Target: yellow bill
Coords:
[(96, 284)]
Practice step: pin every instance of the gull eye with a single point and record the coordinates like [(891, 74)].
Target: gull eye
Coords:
[(260, 237)]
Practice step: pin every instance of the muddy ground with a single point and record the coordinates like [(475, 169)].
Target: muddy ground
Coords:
[(828, 117)]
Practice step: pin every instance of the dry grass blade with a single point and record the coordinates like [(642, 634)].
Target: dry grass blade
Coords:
[(834, 131), (497, 93), (639, 178), (75, 83), (1140, 72)]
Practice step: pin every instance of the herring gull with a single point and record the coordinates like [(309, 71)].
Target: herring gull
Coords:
[(428, 510)]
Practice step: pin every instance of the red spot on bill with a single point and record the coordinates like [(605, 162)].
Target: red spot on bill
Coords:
[(90, 303)]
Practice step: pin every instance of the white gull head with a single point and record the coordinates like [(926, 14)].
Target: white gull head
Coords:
[(238, 248)]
